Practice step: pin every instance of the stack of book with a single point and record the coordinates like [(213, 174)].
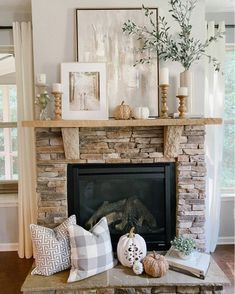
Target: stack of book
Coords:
[(197, 265)]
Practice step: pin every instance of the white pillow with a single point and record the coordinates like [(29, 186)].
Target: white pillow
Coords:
[(51, 247), (91, 251)]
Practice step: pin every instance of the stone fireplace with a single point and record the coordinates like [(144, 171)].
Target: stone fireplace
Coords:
[(125, 145)]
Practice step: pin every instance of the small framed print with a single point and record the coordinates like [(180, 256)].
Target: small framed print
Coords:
[(84, 87)]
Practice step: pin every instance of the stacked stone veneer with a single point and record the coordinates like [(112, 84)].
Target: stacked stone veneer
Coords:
[(124, 145)]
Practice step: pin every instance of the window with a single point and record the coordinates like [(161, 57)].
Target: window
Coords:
[(8, 135), (228, 175), (8, 123)]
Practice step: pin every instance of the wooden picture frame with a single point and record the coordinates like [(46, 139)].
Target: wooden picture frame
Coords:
[(100, 38), (84, 94)]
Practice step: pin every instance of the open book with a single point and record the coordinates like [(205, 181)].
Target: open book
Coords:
[(197, 265)]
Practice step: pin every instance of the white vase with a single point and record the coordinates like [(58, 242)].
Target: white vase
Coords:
[(184, 256), (186, 80)]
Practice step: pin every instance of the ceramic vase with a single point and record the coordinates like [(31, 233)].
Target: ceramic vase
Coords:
[(184, 256), (186, 80)]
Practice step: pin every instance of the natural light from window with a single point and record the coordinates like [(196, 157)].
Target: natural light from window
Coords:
[(228, 174), (8, 118)]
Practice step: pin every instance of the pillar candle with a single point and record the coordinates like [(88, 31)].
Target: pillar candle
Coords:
[(182, 91), (56, 87), (164, 76), (41, 79)]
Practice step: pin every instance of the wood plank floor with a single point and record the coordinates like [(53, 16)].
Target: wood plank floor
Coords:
[(224, 256), (13, 270)]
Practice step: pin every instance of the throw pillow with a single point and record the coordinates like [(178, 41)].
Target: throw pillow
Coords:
[(51, 247), (91, 251)]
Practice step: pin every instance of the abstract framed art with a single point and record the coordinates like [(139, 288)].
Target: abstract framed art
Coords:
[(100, 39), (84, 94)]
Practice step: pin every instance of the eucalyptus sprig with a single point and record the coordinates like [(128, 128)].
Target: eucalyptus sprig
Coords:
[(182, 47), (184, 245)]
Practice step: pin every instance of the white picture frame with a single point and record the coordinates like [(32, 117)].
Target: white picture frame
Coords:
[(84, 91), (100, 38)]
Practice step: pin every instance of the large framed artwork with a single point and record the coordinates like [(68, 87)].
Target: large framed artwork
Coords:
[(84, 87), (100, 39)]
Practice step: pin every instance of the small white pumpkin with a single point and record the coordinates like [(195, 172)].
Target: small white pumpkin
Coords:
[(138, 267), (131, 247), (140, 112)]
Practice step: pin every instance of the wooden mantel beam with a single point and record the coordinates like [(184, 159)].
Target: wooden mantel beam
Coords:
[(121, 123)]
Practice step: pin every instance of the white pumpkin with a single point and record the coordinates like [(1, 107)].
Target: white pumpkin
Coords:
[(131, 247), (140, 112)]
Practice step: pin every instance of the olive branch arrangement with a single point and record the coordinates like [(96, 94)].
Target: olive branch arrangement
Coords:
[(182, 48)]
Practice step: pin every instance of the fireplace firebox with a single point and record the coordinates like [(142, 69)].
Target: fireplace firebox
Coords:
[(129, 195)]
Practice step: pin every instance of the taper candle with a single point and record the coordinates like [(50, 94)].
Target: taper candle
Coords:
[(164, 76)]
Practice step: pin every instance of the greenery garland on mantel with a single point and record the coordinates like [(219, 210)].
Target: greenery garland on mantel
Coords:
[(181, 47)]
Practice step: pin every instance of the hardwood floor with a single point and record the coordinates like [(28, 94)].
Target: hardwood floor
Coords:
[(13, 270), (224, 256)]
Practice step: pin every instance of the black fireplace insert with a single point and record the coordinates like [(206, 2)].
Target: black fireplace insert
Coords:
[(129, 195)]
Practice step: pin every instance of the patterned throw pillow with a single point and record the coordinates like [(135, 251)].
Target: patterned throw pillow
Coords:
[(51, 248), (91, 251)]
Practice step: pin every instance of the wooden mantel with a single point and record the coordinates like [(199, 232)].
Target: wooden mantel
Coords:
[(70, 130), (120, 123)]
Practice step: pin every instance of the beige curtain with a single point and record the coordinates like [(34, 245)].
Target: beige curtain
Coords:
[(22, 34)]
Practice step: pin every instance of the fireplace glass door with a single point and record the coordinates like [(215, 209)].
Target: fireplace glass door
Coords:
[(140, 196)]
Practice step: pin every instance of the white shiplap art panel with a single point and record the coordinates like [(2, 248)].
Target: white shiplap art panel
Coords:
[(100, 39)]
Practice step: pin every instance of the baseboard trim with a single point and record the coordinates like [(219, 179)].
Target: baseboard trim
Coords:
[(8, 246), (226, 240)]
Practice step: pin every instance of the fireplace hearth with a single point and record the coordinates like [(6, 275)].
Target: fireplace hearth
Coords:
[(140, 195)]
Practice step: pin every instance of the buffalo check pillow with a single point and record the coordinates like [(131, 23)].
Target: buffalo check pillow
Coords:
[(91, 251), (51, 247)]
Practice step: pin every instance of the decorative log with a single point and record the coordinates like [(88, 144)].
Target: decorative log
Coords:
[(125, 214), (106, 209)]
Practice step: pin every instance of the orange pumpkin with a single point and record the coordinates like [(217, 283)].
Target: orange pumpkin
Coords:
[(155, 265), (122, 111)]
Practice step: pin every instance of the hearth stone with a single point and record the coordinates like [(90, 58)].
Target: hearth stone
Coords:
[(123, 280), (124, 145)]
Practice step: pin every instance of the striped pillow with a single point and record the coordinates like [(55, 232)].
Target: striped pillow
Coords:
[(91, 251), (51, 247)]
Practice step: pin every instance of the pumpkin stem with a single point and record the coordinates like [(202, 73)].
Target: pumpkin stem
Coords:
[(131, 233), (122, 102), (155, 254)]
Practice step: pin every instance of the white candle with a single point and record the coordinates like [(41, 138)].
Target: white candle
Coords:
[(56, 87), (182, 91), (41, 79), (164, 76)]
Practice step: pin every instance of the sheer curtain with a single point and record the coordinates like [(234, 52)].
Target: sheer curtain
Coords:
[(22, 34), (214, 106)]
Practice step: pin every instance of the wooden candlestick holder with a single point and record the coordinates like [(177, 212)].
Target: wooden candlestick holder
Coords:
[(182, 107), (57, 111), (164, 108)]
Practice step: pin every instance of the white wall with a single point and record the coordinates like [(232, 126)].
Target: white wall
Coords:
[(54, 38), (227, 220), (8, 222), (7, 17)]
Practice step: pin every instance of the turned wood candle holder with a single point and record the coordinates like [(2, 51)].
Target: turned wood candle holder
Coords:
[(164, 108), (57, 99), (182, 106)]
